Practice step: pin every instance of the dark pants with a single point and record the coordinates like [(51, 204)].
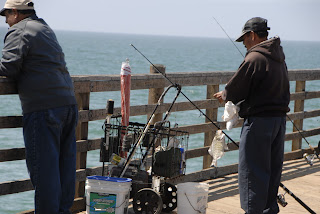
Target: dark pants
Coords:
[(260, 163), (50, 143)]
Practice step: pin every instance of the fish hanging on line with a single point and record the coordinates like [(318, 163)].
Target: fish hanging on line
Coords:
[(217, 148)]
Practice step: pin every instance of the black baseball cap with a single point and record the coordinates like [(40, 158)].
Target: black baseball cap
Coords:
[(255, 24)]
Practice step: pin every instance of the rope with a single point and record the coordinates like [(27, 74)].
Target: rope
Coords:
[(191, 204)]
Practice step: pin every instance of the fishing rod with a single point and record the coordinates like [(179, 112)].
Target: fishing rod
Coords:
[(194, 105), (308, 158), (296, 198), (280, 197)]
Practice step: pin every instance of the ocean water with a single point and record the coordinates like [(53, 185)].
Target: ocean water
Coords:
[(101, 53)]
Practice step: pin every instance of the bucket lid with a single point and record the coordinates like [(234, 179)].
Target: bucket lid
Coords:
[(112, 179)]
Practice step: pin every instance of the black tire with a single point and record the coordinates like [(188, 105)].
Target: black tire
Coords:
[(169, 197), (147, 201)]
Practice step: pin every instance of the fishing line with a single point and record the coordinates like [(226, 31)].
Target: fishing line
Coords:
[(229, 37), (194, 105), (314, 151), (281, 185)]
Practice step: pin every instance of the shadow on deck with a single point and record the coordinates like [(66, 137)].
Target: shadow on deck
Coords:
[(297, 176)]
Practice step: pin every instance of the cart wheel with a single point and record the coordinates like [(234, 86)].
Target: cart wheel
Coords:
[(147, 201), (169, 197)]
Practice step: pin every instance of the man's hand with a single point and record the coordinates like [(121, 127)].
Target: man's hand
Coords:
[(221, 96)]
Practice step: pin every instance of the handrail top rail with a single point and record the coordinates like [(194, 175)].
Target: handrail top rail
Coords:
[(293, 74)]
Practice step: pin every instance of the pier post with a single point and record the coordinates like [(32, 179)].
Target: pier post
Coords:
[(83, 100), (155, 93), (298, 107), (212, 113)]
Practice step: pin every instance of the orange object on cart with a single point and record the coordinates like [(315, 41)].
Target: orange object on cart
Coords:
[(125, 100)]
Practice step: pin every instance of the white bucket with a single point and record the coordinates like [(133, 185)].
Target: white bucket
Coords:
[(192, 198), (106, 195)]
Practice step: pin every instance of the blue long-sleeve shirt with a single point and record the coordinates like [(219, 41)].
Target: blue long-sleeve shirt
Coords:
[(33, 57)]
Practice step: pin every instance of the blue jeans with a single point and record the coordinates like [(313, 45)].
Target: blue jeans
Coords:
[(50, 143), (260, 163)]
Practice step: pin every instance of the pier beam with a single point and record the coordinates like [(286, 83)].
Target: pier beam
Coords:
[(212, 113), (83, 100), (155, 93), (298, 107)]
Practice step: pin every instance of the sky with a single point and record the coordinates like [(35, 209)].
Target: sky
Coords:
[(289, 19)]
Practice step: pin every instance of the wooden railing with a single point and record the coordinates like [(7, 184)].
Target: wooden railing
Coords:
[(85, 85)]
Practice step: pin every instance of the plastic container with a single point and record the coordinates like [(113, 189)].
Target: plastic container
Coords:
[(192, 198), (107, 195)]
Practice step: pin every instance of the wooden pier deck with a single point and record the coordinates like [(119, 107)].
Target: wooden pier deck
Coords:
[(300, 178)]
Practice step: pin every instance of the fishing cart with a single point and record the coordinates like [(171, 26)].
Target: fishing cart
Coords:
[(149, 155)]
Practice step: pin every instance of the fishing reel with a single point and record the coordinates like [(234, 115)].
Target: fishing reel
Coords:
[(281, 200), (309, 158)]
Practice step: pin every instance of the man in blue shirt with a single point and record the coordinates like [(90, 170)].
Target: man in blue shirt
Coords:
[(33, 57)]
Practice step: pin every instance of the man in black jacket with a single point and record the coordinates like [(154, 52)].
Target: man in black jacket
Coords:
[(261, 88), (33, 57)]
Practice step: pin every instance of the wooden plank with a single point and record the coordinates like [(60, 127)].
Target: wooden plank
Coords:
[(205, 174), (95, 83), (7, 86), (83, 101), (307, 133), (100, 114), (88, 145), (212, 114), (145, 81), (93, 144), (19, 153), (155, 93), (27, 212), (297, 154), (304, 74), (79, 204), (305, 95), (294, 74), (298, 107), (12, 154), (198, 152), (11, 187), (10, 122), (303, 115)]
